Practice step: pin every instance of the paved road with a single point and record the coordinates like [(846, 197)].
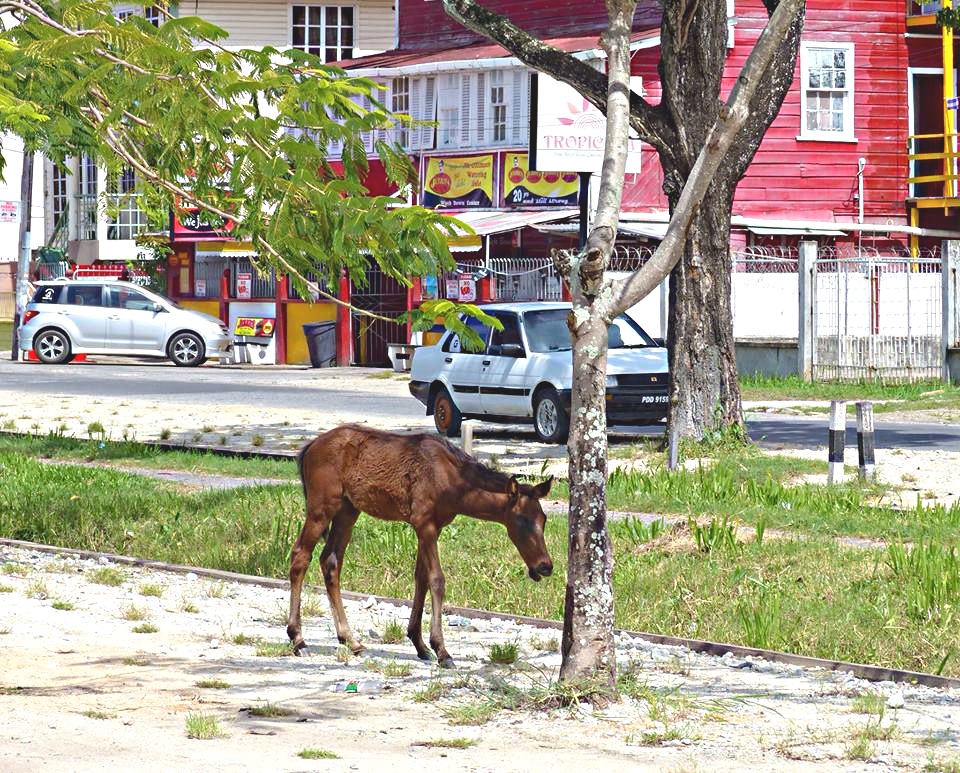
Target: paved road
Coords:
[(378, 393)]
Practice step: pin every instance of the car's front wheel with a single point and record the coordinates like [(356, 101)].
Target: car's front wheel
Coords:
[(52, 347), (446, 416), (186, 350), (550, 421)]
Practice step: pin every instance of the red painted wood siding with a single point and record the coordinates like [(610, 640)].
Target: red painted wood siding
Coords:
[(423, 24), (817, 180)]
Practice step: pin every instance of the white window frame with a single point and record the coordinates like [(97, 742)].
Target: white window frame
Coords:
[(321, 50), (849, 90), (400, 103)]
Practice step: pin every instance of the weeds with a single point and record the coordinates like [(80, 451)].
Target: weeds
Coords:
[(937, 764), (869, 703), (135, 660), (718, 535), (545, 643), (36, 589), (203, 727), (6, 588), (65, 606), (393, 633), (243, 639), (504, 654), (213, 684), (106, 575), (434, 691), (151, 589), (133, 613), (273, 649), (93, 714), (640, 533), (145, 628), (931, 574), (343, 654), (270, 710), (860, 748), (189, 607), (447, 743), (311, 753), (394, 669)]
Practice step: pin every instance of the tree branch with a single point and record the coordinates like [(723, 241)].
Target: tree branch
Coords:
[(733, 116)]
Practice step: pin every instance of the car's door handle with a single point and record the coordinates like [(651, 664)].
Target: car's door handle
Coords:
[(114, 316), (448, 359), (486, 362)]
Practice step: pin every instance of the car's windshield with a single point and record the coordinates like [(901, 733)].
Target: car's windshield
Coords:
[(547, 332)]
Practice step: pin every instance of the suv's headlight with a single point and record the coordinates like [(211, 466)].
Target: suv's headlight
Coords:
[(611, 382)]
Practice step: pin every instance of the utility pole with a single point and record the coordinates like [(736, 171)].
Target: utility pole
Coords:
[(23, 266)]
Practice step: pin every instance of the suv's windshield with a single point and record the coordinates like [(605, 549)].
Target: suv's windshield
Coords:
[(547, 332)]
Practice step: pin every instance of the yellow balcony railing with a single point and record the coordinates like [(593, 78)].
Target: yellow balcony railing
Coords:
[(941, 178)]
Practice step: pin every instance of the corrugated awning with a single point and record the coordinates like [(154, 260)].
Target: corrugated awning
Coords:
[(765, 230), (486, 223)]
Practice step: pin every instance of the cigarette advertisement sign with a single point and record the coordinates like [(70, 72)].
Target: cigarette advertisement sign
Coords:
[(458, 182), (525, 188), (569, 133), (261, 327)]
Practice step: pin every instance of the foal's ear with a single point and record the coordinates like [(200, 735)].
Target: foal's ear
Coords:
[(513, 489), (542, 489)]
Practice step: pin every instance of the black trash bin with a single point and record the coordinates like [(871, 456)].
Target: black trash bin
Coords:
[(322, 343)]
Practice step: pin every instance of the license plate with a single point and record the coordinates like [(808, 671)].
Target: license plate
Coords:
[(655, 399)]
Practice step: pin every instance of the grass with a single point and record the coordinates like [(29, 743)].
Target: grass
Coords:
[(133, 613), (447, 743), (65, 606), (36, 589), (922, 395), (273, 649), (151, 589), (504, 654), (203, 727), (270, 711), (93, 714), (812, 596), (869, 703), (6, 588), (243, 639), (145, 628), (135, 660), (213, 684), (393, 633), (312, 753)]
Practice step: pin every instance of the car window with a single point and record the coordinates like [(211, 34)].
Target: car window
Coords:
[(509, 335), (47, 294), (453, 343), (85, 295), (624, 333), (126, 298), (547, 330)]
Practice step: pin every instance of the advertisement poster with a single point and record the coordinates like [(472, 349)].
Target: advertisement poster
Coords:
[(428, 288), (523, 188), (459, 182), (260, 327), (244, 285), (467, 290), (200, 288), (192, 224)]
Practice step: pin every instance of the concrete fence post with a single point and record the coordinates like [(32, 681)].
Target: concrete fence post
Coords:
[(950, 278), (805, 332), (865, 441), (466, 430), (838, 440)]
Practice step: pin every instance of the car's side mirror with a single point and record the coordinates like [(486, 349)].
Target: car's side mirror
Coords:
[(157, 308), (512, 350)]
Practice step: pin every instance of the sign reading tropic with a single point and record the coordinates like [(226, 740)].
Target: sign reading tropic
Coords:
[(525, 188), (457, 182)]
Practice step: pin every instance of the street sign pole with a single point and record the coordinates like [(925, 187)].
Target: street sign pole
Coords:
[(23, 265)]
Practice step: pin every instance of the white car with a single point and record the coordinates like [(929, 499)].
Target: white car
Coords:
[(525, 372), (106, 316)]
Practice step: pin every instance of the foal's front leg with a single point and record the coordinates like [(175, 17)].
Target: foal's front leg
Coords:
[(414, 630), (431, 561)]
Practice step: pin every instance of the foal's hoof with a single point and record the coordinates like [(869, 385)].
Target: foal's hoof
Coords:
[(425, 656), (298, 647), (356, 648), (447, 662)]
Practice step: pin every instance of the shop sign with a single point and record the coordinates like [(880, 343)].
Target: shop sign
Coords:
[(244, 285), (523, 187), (569, 133), (451, 289), (258, 327), (9, 211), (200, 288), (467, 290), (193, 224), (458, 182), (428, 287)]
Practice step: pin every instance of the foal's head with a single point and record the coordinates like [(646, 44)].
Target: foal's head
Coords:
[(525, 521)]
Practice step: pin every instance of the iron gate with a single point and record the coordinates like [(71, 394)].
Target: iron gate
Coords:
[(385, 297), (877, 317)]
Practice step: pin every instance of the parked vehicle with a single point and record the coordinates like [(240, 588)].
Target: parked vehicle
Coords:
[(525, 373), (70, 317)]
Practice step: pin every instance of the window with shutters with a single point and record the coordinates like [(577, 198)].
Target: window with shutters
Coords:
[(327, 31), (483, 109), (400, 103), (498, 105)]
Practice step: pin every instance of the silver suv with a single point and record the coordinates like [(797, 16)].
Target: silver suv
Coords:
[(70, 317)]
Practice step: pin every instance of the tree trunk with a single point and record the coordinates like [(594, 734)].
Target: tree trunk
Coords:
[(588, 646), (704, 388)]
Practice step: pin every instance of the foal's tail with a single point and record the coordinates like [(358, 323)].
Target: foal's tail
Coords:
[(303, 479)]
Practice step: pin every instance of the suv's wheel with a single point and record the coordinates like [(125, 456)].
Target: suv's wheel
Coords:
[(446, 416), (52, 347), (550, 421), (186, 350)]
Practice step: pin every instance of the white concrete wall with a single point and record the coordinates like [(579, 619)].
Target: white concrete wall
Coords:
[(10, 191)]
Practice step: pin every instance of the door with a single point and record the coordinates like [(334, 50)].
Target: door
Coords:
[(504, 391), (927, 119), (463, 368), (84, 307), (132, 322)]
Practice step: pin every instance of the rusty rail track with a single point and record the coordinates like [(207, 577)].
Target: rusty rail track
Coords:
[(717, 649)]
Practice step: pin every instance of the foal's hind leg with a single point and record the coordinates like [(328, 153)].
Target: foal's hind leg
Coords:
[(319, 515), (331, 560)]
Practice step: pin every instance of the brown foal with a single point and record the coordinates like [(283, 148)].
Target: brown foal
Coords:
[(422, 480)]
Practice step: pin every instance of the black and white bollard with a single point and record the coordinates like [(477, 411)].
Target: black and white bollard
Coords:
[(838, 435), (865, 441)]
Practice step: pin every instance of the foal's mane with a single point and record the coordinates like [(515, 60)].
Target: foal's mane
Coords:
[(477, 474)]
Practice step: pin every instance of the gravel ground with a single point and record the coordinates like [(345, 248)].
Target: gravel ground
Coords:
[(122, 698)]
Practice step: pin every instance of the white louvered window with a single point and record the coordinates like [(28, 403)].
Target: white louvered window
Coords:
[(448, 111), (498, 107), (400, 104)]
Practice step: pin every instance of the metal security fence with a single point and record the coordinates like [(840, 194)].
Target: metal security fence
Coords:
[(877, 315), (525, 279)]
